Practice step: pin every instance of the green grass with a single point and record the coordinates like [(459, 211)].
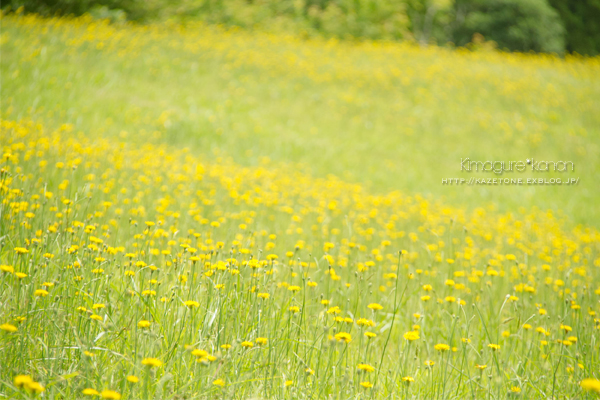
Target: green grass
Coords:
[(390, 117), (168, 191)]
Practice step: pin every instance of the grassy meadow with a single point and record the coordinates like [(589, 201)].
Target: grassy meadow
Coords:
[(194, 212)]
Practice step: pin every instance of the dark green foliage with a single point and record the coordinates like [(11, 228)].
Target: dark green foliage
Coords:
[(581, 19), (522, 25)]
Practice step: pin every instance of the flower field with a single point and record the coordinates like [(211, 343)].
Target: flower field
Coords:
[(139, 261)]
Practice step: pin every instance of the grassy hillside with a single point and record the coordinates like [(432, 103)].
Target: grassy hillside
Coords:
[(393, 117), (193, 212)]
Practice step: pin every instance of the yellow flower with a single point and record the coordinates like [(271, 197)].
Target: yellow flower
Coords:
[(408, 379), (365, 367), (7, 268), (430, 363), (294, 288), (366, 385), (334, 310), (199, 353), (8, 328), (375, 306), (152, 362), (96, 317), (143, 324), (41, 293), (294, 309), (133, 379), (22, 380), (441, 347), (225, 346), (110, 395), (90, 392), (20, 275), (411, 335), (566, 328), (370, 335), (263, 295), (591, 384), (494, 346), (192, 304), (515, 389), (247, 344), (219, 382), (365, 322), (288, 383), (35, 387), (261, 341), (343, 336), (481, 367)]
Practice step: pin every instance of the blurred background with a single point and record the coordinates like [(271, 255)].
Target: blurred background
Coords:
[(388, 94), (521, 25)]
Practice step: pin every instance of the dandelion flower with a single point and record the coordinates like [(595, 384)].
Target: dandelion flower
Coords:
[(110, 395), (22, 380), (343, 336), (7, 268), (261, 341), (90, 392), (191, 304), (152, 362), (411, 335), (441, 347), (35, 387), (199, 353), (366, 385), (219, 382), (375, 306), (591, 384), (143, 324), (365, 367), (8, 328), (133, 379)]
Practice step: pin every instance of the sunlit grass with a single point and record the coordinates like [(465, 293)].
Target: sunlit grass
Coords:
[(390, 116)]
